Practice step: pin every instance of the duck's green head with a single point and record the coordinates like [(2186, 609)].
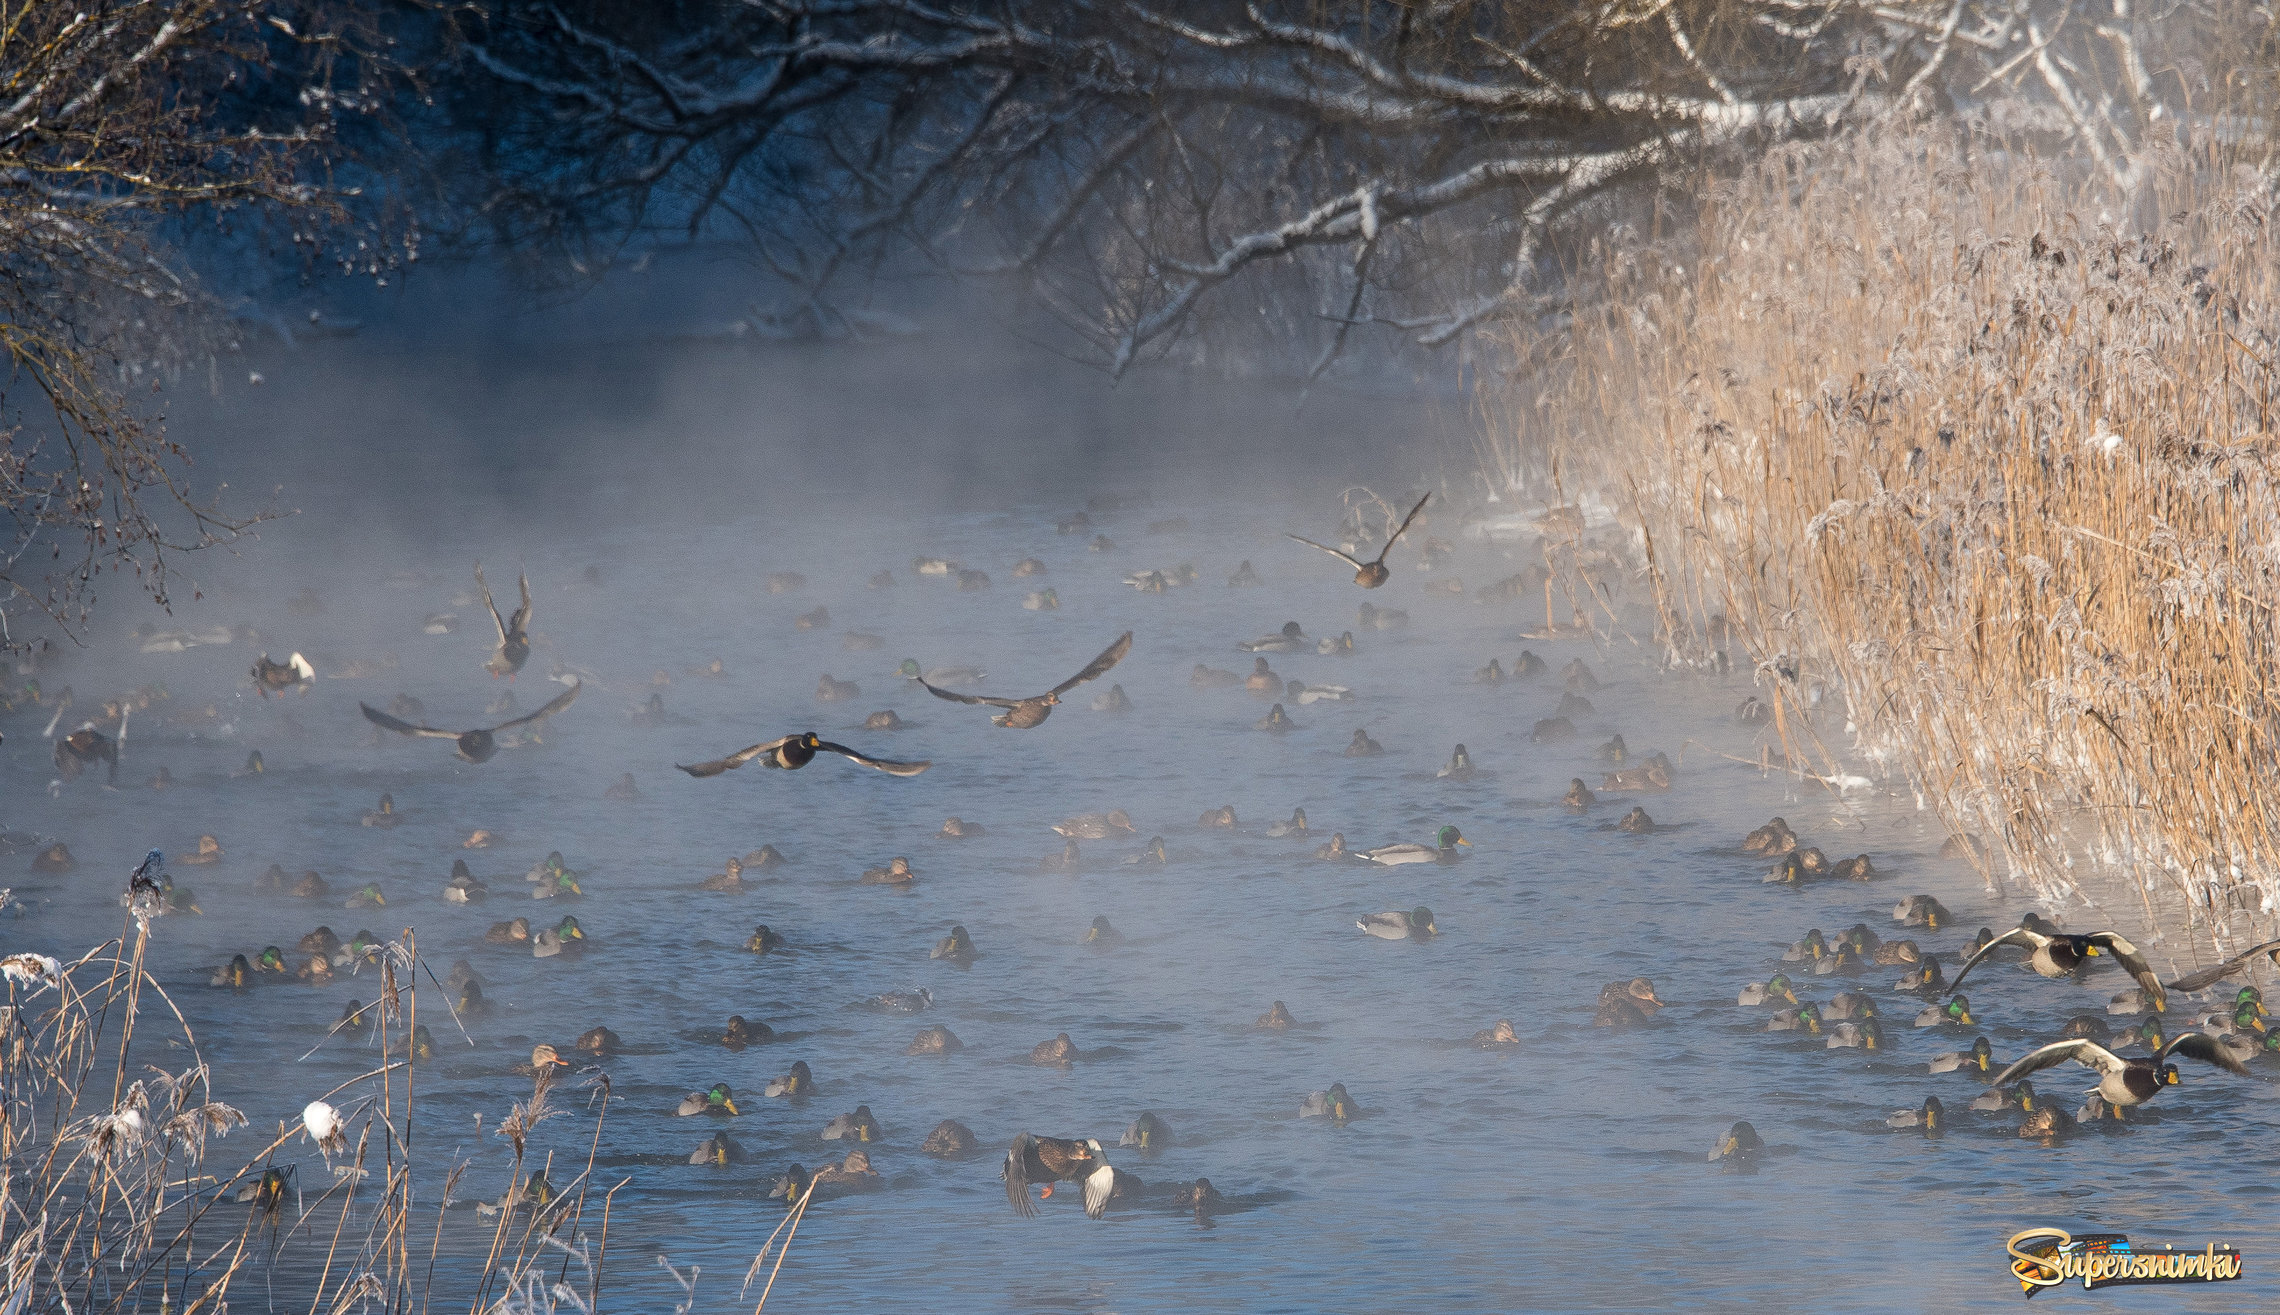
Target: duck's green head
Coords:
[(1100, 930), (1780, 986), (1422, 917), (1927, 973), (423, 1042), (272, 959), (1867, 1009), (719, 1098), (538, 1191), (2248, 1017), (1872, 1035), (565, 884), (1959, 1010), (799, 1079), (2272, 1043), (1982, 1054), (1053, 596), (569, 930), (362, 944), (2027, 1094), (1810, 1015), (2151, 1035), (2249, 995), (1341, 1104), (909, 669), (1935, 1114), (1448, 837), (371, 891)]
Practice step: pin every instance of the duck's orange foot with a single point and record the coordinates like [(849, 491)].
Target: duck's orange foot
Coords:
[(1047, 1194)]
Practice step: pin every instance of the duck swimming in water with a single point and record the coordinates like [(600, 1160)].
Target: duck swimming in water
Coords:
[(1097, 826), (1100, 934), (1579, 796), (1276, 1019), (1363, 746), (1222, 817), (1417, 924), (795, 1085), (934, 1041), (1296, 826), (957, 828), (514, 635), (897, 872), (1263, 681), (1290, 639), (716, 1101), (1333, 1104), (1022, 714), (1741, 1144), (1335, 851), (1458, 768), (957, 947), (1277, 721), (1777, 991), (796, 751), (1922, 911), (1442, 850), (1502, 1034), (475, 746), (1978, 1061), (1773, 840), (1369, 575), (856, 1126)]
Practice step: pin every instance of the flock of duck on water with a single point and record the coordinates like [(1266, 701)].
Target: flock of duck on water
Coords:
[(2132, 1065)]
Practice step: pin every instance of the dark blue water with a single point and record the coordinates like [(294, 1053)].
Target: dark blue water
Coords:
[(1566, 1173)]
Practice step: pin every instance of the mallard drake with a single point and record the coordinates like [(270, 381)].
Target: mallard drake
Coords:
[(934, 1041), (1955, 1013), (1849, 1004), (1363, 746), (717, 1100), (368, 896), (1772, 840), (1097, 826), (1932, 1117), (897, 872), (1492, 674), (475, 746), (730, 878), (1333, 1104), (740, 1033), (1052, 1160), (1296, 826), (1978, 1061), (1804, 1018), (949, 1137), (763, 940), (1277, 721), (1220, 818), (270, 962), (253, 765), (957, 828), (2055, 954), (885, 720), (1290, 639), (2126, 1082), (1799, 867), (1246, 576), (1417, 924), (957, 947), (856, 1126), (1868, 1034), (1068, 860), (1060, 1051), (1636, 823), (464, 887), (237, 974), (2129, 1002), (1101, 934), (1741, 1143), (562, 885), (1369, 575), (2207, 977), (1204, 677), (1776, 991), (1115, 700), (565, 937), (515, 932), (462, 972), (1301, 693), (718, 1149), (904, 1002), (384, 815), (1922, 911), (1342, 646), (1578, 797), (1152, 852), (1654, 774), (795, 1085), (1812, 949), (471, 1003), (2147, 1034), (1147, 1132), (1458, 768), (1501, 1034), (1926, 978), (1022, 714), (793, 752), (1442, 850)]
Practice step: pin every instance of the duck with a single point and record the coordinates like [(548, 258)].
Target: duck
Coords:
[(1799, 867), (904, 1002), (1097, 826), (1342, 646), (478, 745), (1301, 693), (729, 879), (934, 1041), (1335, 850), (2054, 953), (1955, 1013), (479, 838), (236, 975), (323, 941), (1492, 674), (1100, 934), (543, 1059), (1276, 1019), (971, 581), (1363, 746), (1148, 1133), (368, 896), (1277, 721), (2147, 1034), (563, 885), (1442, 850), (958, 828), (1501, 1033), (1849, 1005), (1263, 680), (1417, 924), (385, 814), (741, 1032), (717, 1100), (885, 720), (1856, 868), (2088, 1026), (949, 1137), (1809, 950), (1776, 991), (897, 872), (1772, 840), (1068, 860), (278, 677), (1654, 774), (565, 937), (471, 1003), (1925, 978), (1115, 701), (1892, 953), (1333, 1104), (1369, 575), (1246, 576), (1458, 768), (957, 947), (1222, 818), (1296, 826), (1290, 639), (1578, 797), (2047, 1123), (515, 932), (1205, 677), (1978, 1061), (718, 1149), (1577, 676), (2207, 977), (1636, 823), (829, 689), (1548, 729), (1027, 567), (768, 856), (763, 940), (1025, 713), (270, 962), (795, 1085), (2126, 1083), (1614, 751), (1804, 1018), (1931, 1117), (1152, 852), (850, 1176), (209, 851), (1620, 1011), (1868, 1034), (1060, 1051), (1054, 1160), (1922, 911), (253, 766), (598, 1041), (311, 886), (1574, 705), (1639, 992), (856, 1126), (1741, 1144), (1380, 618), (793, 752), (84, 748)]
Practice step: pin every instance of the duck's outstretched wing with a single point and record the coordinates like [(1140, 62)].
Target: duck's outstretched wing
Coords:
[(520, 622), (735, 760), (2058, 1052), (488, 605), (2015, 936), (2127, 955), (388, 723), (1332, 551), (1099, 1185), (887, 765), (552, 706), (940, 693), (1099, 666), (1016, 1175), (1398, 533), (2201, 1046), (2208, 977)]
